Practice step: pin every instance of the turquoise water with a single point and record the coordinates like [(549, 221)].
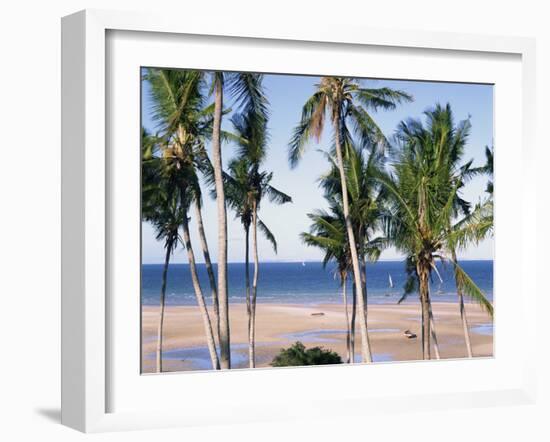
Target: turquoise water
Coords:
[(307, 283)]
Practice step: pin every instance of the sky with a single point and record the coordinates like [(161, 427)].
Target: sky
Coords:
[(286, 95)]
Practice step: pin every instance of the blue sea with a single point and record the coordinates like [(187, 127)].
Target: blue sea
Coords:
[(307, 283)]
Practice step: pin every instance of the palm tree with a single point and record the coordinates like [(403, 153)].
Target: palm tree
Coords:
[(182, 181), (182, 114), (423, 196), (441, 129), (328, 233), (346, 102), (246, 89), (166, 221), (366, 208), (165, 216), (440, 120), (452, 140), (184, 121), (246, 186), (473, 228), (366, 199)]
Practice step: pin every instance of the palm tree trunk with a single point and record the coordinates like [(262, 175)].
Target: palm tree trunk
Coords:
[(343, 278), (252, 336), (432, 328), (211, 343), (365, 343), (162, 304), (465, 327), (364, 289), (209, 269), (247, 287), (364, 286), (225, 340), (352, 323), (462, 307), (423, 276)]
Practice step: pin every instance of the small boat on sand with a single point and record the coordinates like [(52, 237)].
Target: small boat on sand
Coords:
[(409, 334), (318, 314)]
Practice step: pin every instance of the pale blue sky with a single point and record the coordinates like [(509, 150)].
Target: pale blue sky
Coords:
[(286, 95)]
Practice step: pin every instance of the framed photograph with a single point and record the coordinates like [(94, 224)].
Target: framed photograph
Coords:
[(271, 223)]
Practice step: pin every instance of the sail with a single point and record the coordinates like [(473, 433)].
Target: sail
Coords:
[(390, 280)]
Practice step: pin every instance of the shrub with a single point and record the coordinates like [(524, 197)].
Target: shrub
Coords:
[(298, 355)]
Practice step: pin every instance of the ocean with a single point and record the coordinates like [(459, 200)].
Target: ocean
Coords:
[(307, 283)]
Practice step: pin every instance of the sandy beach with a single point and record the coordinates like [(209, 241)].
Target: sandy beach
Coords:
[(280, 325)]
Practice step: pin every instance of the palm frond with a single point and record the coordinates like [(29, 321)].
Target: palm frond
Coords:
[(366, 130), (276, 196), (249, 95), (268, 235), (310, 125), (382, 98), (472, 290)]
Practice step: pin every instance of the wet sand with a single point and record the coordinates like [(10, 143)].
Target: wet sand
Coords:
[(280, 325)]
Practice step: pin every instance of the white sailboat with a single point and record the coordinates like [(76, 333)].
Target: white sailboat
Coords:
[(439, 290), (390, 281)]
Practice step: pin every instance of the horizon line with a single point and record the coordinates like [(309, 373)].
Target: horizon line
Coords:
[(302, 261)]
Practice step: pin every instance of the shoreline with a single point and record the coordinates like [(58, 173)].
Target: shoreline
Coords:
[(318, 324), (311, 304)]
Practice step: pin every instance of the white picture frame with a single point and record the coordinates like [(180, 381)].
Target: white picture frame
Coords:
[(86, 216)]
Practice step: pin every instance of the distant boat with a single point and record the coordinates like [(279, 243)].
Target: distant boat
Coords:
[(439, 291), (391, 285), (438, 275), (303, 264)]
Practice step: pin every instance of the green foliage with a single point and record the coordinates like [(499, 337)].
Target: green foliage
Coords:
[(366, 198), (345, 100), (246, 184), (298, 355), (424, 198), (159, 205)]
